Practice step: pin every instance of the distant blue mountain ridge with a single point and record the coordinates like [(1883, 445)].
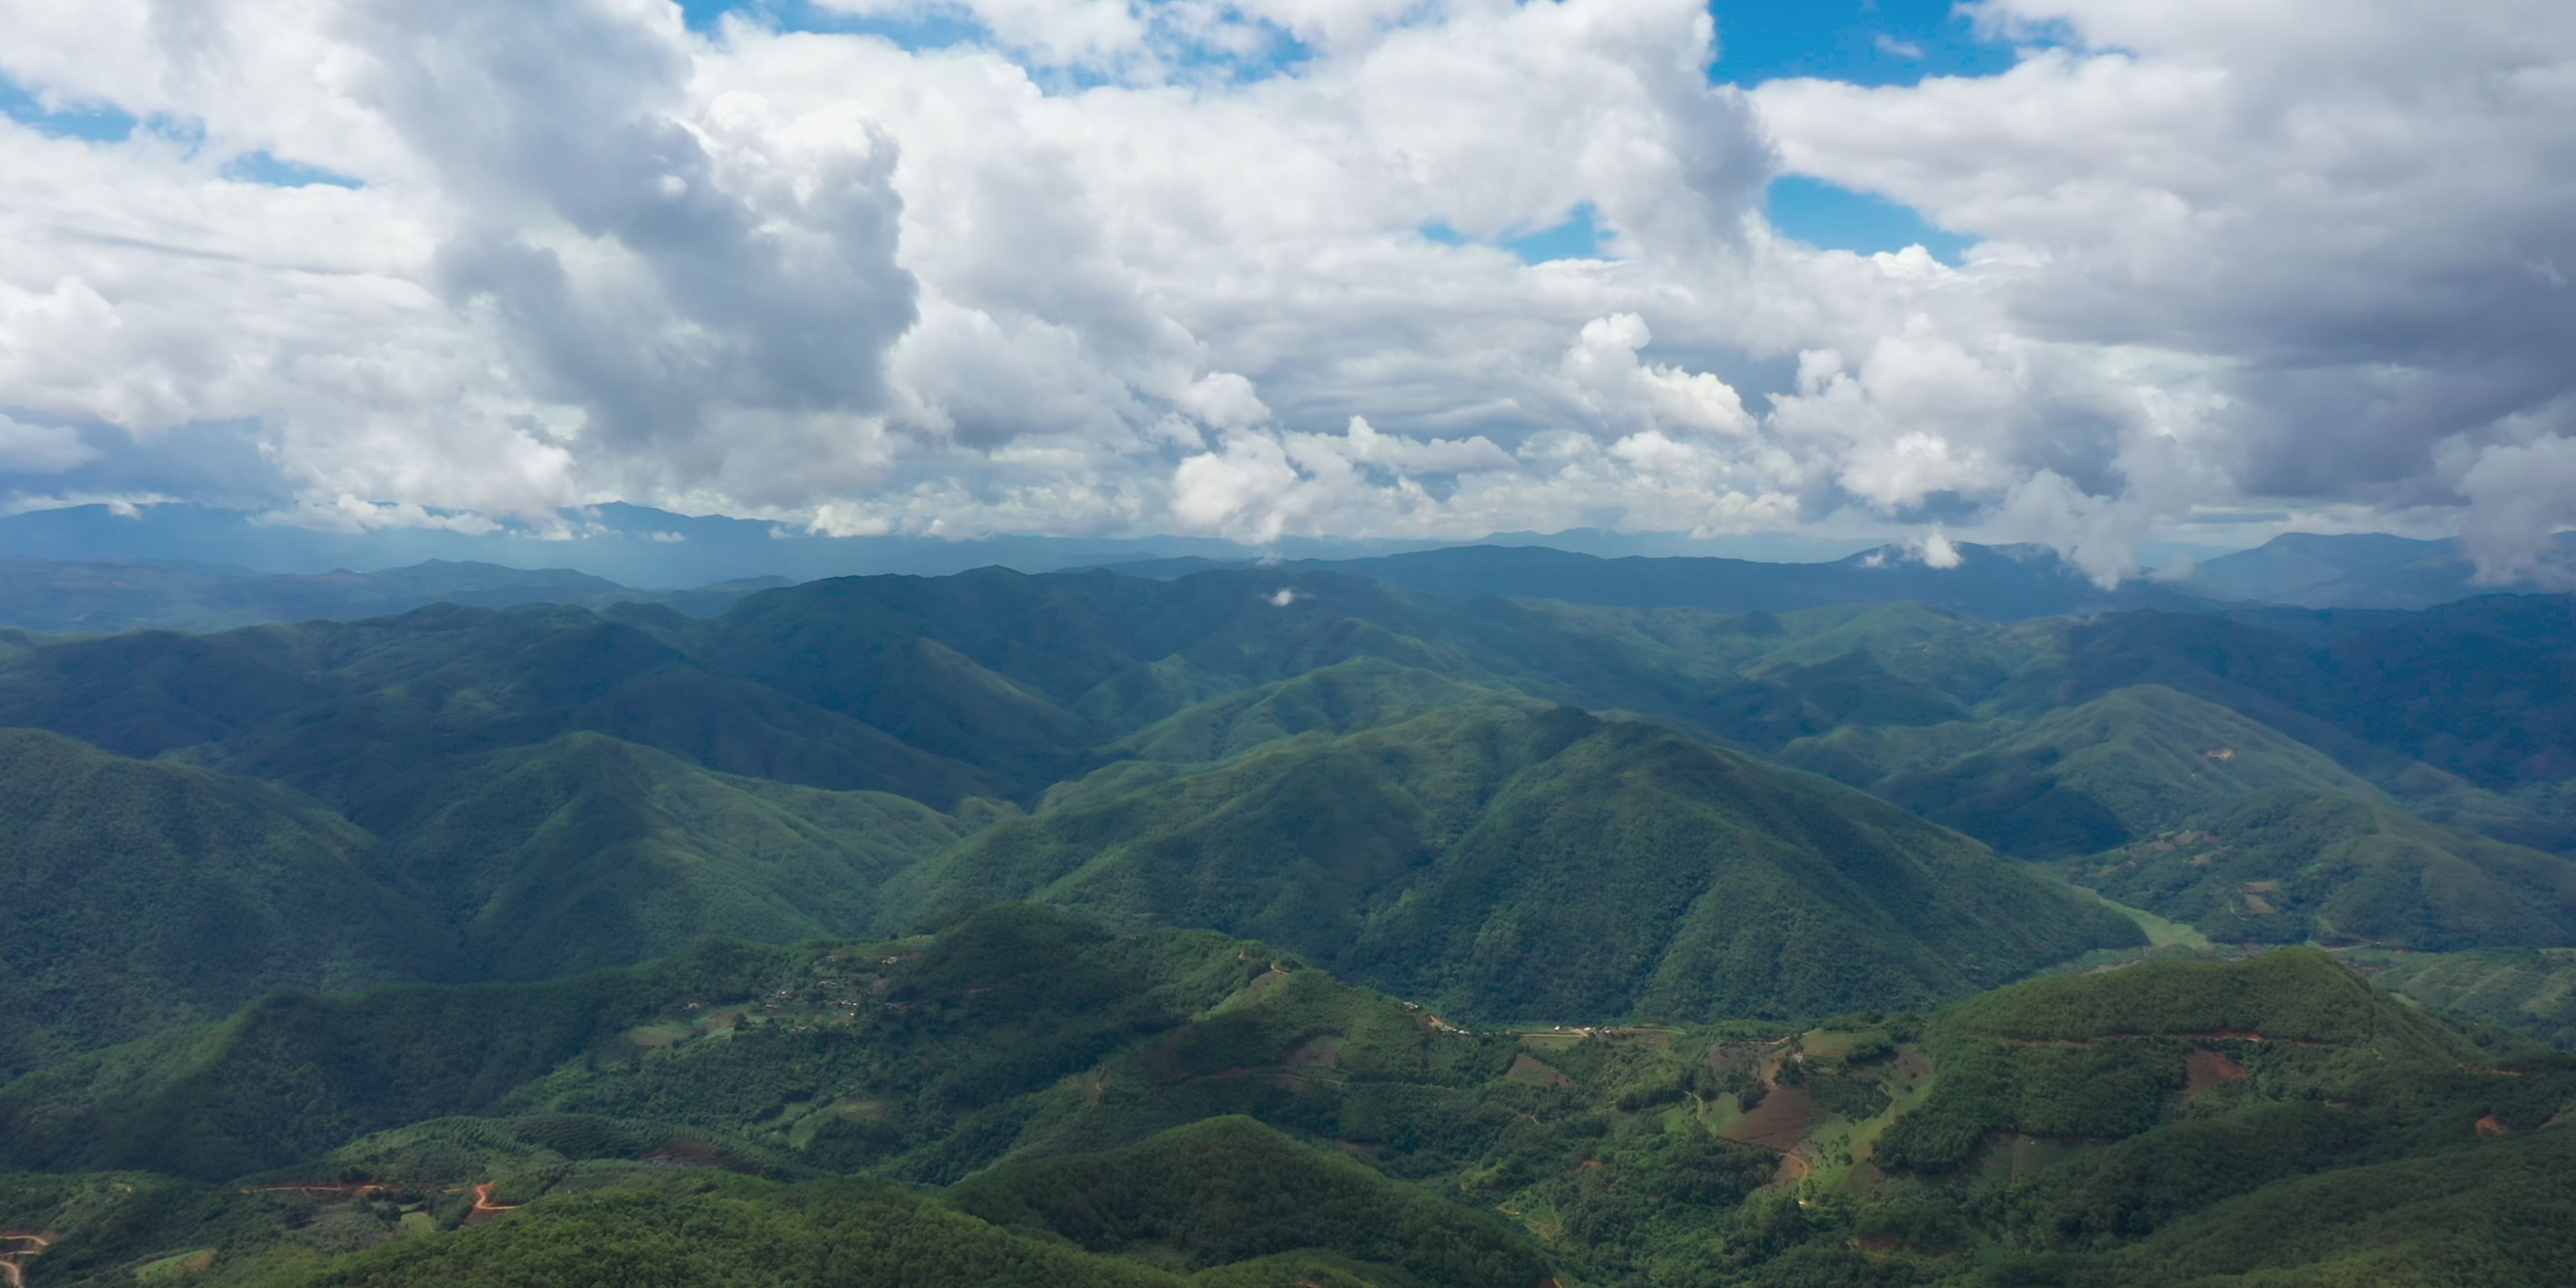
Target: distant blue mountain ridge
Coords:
[(90, 569)]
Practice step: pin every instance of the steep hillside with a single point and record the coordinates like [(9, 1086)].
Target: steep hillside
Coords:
[(293, 1075), (2289, 866), (2080, 778), (586, 852), (1228, 1190), (354, 713), (2532, 991), (1510, 863), (2484, 688), (1149, 1104), (139, 895)]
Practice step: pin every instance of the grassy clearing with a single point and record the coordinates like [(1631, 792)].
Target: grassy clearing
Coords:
[(168, 1269), (2160, 932)]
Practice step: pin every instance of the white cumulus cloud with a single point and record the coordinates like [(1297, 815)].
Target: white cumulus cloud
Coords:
[(1105, 267)]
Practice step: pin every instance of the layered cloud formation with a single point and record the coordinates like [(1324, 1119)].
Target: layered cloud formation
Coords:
[(1257, 268)]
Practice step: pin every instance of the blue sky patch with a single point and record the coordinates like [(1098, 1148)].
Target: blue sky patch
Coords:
[(1867, 42), (929, 27), (260, 167), (1579, 237), (1837, 218), (101, 123)]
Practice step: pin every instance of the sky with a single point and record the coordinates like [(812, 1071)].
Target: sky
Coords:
[(2098, 274)]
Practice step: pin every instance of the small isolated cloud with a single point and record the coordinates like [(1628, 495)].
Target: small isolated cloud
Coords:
[(349, 513), (1888, 44), (1283, 597), (673, 537), (2518, 496), (1937, 551), (41, 449), (1630, 393)]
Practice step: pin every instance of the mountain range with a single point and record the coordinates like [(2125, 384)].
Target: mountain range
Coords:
[(1462, 917)]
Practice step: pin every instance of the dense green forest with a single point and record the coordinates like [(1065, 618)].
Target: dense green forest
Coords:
[(1284, 926), (1514, 864), (142, 894), (1147, 1107)]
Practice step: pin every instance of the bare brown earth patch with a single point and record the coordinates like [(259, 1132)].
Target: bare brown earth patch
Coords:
[(2491, 1126), (1779, 1122), (484, 1208), (1536, 1072), (17, 1248), (1322, 1053), (2205, 1069), (689, 1151)]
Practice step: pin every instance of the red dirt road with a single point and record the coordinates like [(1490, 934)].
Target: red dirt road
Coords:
[(16, 1247)]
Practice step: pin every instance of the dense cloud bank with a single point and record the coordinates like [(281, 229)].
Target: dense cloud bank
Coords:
[(1242, 269)]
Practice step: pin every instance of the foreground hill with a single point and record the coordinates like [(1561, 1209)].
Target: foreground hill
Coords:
[(1517, 863), (1130, 1109)]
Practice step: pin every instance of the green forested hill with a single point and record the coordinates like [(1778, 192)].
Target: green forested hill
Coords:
[(293, 1074), (586, 852), (2531, 990), (136, 895), (148, 894), (994, 683), (1240, 803), (1228, 1190), (1117, 709), (1129, 1109), (2291, 866), (2076, 779), (1511, 863)]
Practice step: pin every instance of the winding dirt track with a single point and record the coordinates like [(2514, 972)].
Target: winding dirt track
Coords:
[(483, 1204), (13, 1263)]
